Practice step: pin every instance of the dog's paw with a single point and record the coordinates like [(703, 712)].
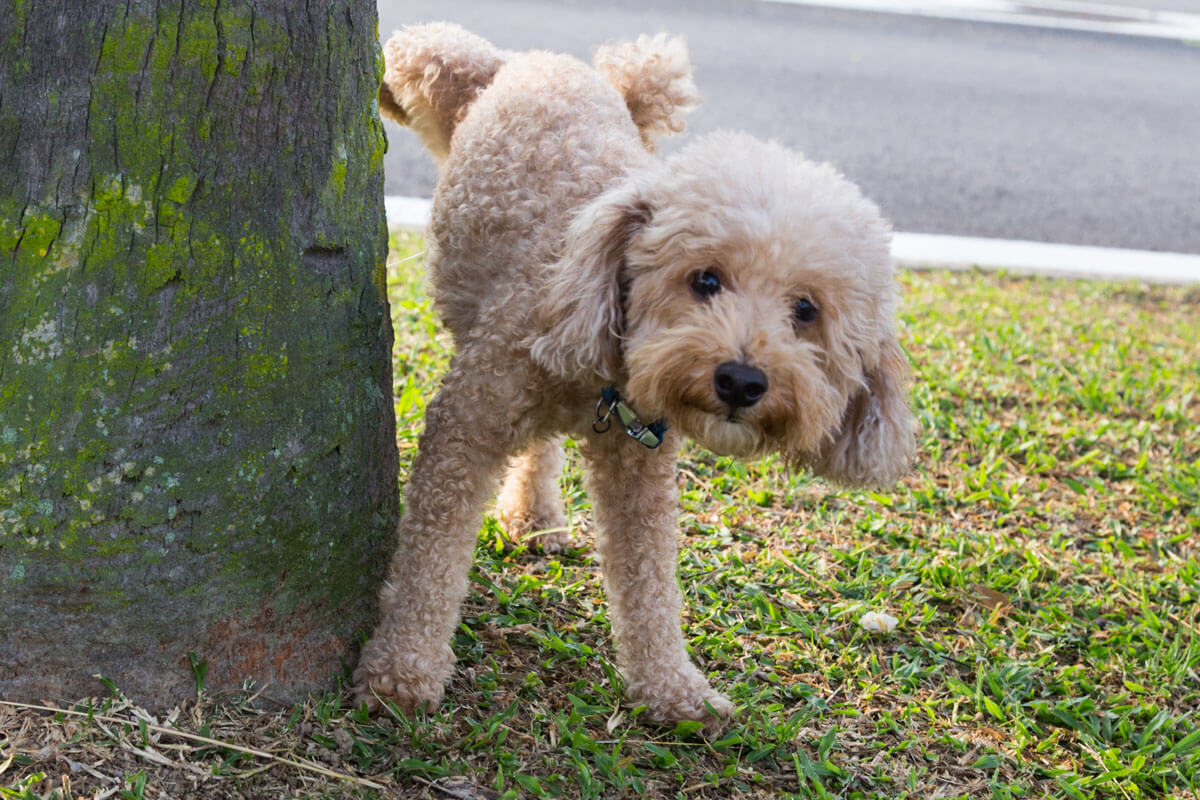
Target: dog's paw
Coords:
[(408, 681), (546, 531), (689, 700), (550, 540), (713, 710)]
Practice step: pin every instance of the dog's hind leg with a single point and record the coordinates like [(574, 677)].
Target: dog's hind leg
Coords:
[(433, 73), (634, 507), (530, 502), (408, 658)]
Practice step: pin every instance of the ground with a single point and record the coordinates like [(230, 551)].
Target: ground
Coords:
[(1041, 558)]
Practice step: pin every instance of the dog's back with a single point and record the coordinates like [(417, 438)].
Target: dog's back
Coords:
[(523, 140), (547, 136), (435, 71)]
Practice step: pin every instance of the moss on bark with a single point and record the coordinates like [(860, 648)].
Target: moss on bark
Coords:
[(196, 431)]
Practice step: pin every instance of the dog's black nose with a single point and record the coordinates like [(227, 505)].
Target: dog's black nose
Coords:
[(739, 385)]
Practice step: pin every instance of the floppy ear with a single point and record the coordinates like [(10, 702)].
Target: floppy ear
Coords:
[(877, 439), (580, 315)]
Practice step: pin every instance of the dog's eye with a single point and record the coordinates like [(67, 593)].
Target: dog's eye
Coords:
[(804, 312), (706, 283)]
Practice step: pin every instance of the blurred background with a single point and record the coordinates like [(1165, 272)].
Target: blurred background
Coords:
[(1067, 122)]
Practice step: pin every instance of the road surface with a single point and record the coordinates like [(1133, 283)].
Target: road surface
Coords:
[(954, 127)]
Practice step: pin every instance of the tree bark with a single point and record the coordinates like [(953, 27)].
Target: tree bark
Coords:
[(197, 444)]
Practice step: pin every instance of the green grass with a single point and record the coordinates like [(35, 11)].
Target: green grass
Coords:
[(1041, 558)]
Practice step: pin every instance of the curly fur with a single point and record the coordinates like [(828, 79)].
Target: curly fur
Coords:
[(562, 257), (431, 76), (654, 75)]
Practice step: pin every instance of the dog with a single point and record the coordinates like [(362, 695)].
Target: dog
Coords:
[(734, 293)]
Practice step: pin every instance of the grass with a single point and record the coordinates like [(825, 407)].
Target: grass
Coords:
[(1041, 559)]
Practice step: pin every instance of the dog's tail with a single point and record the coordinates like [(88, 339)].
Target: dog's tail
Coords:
[(654, 75), (432, 74)]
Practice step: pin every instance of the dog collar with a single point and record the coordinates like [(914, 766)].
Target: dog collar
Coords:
[(611, 404)]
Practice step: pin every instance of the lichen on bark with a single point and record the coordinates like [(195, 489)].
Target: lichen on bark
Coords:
[(196, 432)]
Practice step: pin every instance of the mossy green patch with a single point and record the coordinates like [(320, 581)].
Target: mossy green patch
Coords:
[(19, 65), (180, 191), (38, 233)]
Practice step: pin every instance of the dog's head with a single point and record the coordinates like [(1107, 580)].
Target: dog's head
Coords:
[(746, 295)]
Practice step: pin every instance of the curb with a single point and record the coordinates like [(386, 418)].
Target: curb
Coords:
[(927, 250)]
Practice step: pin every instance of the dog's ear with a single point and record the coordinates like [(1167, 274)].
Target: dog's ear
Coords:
[(580, 313), (877, 438)]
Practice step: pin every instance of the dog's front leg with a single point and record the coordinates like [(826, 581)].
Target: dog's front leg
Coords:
[(408, 658), (634, 504)]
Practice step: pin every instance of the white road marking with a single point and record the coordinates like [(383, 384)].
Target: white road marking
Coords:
[(923, 250), (1065, 14)]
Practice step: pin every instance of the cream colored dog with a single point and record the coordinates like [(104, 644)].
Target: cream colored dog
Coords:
[(735, 292)]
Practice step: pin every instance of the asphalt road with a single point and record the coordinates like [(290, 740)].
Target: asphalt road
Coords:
[(963, 128)]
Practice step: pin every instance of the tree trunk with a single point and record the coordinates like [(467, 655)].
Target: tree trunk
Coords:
[(197, 449)]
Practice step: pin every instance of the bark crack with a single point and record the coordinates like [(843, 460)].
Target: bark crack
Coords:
[(253, 41), (87, 119), (220, 27), (21, 236)]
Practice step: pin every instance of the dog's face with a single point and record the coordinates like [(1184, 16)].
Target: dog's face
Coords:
[(745, 295)]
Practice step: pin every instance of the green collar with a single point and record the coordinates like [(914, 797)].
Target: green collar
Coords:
[(610, 403)]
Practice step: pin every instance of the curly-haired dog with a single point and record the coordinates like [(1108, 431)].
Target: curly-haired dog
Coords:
[(735, 292)]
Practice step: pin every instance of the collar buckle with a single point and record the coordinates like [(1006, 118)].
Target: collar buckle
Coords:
[(611, 404)]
